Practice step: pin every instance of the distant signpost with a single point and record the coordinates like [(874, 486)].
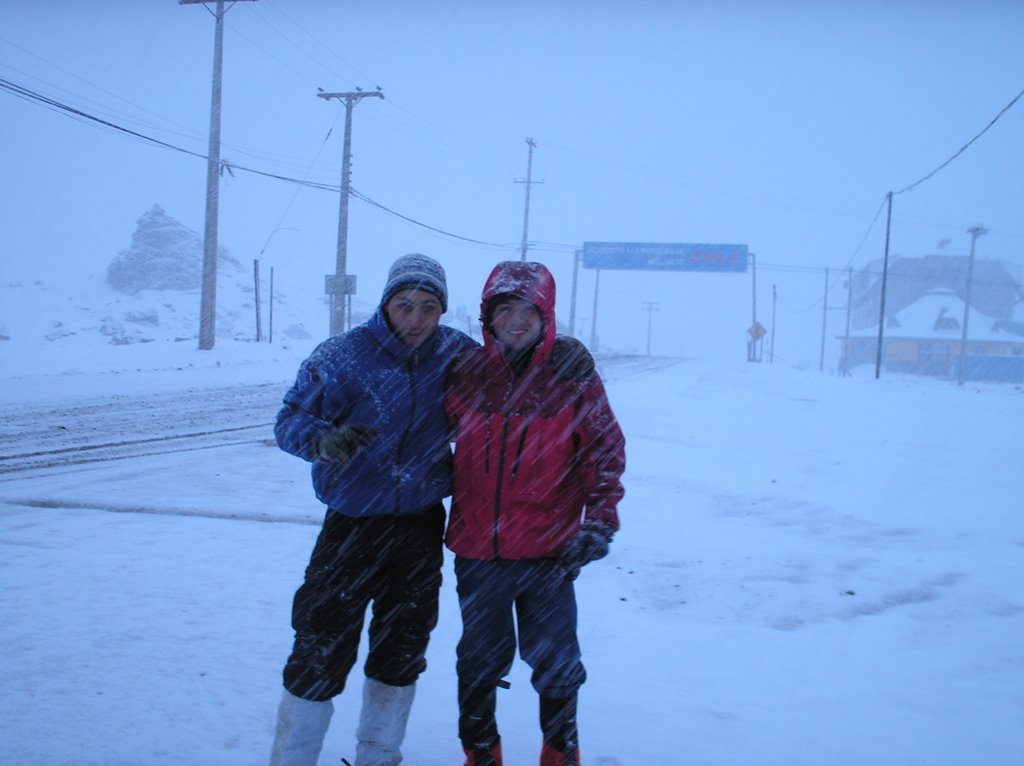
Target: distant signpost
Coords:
[(659, 256)]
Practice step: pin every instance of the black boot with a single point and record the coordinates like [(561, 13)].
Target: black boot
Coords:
[(558, 726), (478, 727)]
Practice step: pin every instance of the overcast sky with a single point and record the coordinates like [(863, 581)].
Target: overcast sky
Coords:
[(778, 125)]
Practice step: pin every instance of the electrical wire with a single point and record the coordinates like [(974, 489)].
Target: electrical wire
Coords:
[(302, 49), (295, 195), (30, 95), (963, 148), (364, 198), (178, 129)]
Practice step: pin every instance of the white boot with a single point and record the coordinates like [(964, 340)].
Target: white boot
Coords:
[(382, 723), (301, 726)]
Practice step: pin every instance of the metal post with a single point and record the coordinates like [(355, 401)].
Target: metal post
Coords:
[(341, 287), (577, 255), (270, 304), (752, 355), (753, 287), (771, 351), (256, 280), (824, 326), (650, 308), (593, 318), (975, 232), (849, 309)]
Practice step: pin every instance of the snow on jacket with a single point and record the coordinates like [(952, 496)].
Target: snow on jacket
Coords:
[(534, 454), (368, 377)]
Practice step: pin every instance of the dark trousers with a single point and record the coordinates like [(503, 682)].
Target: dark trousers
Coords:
[(534, 594), (393, 562)]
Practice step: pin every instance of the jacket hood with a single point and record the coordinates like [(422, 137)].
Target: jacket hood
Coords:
[(530, 281)]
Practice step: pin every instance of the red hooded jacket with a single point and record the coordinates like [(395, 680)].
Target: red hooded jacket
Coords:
[(537, 453)]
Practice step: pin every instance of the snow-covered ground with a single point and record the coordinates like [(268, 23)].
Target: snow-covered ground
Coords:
[(812, 570)]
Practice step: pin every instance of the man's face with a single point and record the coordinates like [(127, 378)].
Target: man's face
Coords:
[(414, 315), (517, 324)]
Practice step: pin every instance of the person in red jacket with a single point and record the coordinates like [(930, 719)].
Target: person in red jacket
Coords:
[(539, 457)]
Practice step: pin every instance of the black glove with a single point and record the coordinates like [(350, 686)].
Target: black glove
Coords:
[(341, 443), (589, 544)]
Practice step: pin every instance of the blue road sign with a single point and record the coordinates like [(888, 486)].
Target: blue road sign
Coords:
[(654, 256)]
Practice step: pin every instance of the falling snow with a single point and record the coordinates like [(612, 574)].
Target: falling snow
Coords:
[(811, 569)]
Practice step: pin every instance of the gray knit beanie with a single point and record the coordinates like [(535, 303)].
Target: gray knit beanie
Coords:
[(416, 272)]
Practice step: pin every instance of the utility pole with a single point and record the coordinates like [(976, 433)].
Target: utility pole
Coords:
[(824, 325), (256, 280), (849, 310), (341, 285), (526, 212), (753, 288), (756, 331), (650, 308), (975, 232), (208, 292), (577, 256), (885, 279)]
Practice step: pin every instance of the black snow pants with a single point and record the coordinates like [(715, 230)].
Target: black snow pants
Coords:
[(393, 562)]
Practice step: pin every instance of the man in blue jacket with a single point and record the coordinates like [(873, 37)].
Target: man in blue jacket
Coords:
[(366, 411)]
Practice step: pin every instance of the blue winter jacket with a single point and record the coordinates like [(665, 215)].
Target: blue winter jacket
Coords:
[(368, 377)]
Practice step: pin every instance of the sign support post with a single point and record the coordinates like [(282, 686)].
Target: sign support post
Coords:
[(654, 256)]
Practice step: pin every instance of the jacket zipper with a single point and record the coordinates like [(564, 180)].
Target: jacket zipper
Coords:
[(506, 411), (519, 448), (410, 370)]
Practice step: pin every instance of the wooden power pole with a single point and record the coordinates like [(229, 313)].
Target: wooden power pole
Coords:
[(526, 212), (208, 292), (341, 286)]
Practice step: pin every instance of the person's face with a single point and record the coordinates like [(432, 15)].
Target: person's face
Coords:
[(517, 324), (414, 315)]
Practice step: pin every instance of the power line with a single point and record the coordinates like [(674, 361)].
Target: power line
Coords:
[(864, 239), (304, 50), (364, 198), (180, 129), (30, 95), (963, 148), (295, 195)]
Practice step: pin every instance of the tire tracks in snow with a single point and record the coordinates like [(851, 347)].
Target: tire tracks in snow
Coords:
[(44, 439)]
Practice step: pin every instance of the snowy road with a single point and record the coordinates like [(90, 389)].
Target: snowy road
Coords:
[(39, 436), (796, 574)]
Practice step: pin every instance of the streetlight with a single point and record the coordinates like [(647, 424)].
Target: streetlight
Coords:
[(975, 232), (267, 243)]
